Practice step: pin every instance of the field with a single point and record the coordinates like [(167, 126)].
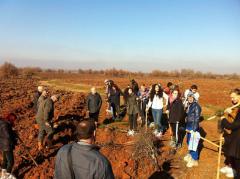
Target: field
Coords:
[(16, 95)]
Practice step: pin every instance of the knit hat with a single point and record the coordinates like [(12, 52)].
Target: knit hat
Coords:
[(191, 94)]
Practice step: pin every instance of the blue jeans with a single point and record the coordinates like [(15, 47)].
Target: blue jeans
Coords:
[(157, 116), (195, 155)]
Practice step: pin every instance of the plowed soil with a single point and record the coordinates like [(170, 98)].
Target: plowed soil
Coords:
[(17, 94)]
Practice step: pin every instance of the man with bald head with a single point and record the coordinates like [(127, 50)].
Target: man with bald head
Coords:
[(94, 103), (36, 97), (82, 159)]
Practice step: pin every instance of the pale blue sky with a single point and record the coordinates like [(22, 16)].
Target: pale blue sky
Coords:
[(130, 34)]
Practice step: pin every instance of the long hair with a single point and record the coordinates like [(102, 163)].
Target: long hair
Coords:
[(236, 91), (153, 92)]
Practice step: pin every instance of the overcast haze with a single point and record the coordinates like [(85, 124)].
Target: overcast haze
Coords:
[(133, 35)]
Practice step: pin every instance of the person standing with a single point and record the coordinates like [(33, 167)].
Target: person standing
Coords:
[(143, 96), (231, 145), (94, 103), (8, 139), (132, 111), (114, 99), (44, 120), (37, 94), (42, 98), (82, 160), (192, 125), (193, 89), (156, 102), (176, 118)]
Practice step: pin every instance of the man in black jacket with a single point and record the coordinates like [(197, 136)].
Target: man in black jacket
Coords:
[(83, 160), (7, 141), (94, 103)]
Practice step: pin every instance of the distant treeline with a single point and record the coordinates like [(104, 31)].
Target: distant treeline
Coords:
[(10, 70)]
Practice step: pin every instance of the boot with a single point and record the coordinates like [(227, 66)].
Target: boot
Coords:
[(40, 146)]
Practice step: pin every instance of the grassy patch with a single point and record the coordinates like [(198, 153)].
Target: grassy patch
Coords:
[(71, 86)]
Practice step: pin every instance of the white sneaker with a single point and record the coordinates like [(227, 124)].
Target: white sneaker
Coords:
[(159, 135), (130, 133), (192, 163), (152, 125), (231, 173), (3, 173), (133, 133), (187, 158), (155, 132), (226, 170)]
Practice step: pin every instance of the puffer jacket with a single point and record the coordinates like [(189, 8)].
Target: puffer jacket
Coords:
[(193, 116)]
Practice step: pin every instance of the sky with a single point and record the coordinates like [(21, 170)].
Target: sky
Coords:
[(133, 35)]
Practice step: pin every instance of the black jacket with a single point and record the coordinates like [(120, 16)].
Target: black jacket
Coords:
[(87, 163), (94, 102), (7, 136), (176, 111), (132, 105), (232, 149), (115, 97)]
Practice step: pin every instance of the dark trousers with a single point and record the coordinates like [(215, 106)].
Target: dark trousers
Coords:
[(116, 110), (235, 164), (177, 135), (142, 107), (44, 129), (94, 116), (132, 121), (8, 161)]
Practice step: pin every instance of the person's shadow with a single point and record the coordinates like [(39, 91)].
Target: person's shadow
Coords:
[(164, 173), (201, 145)]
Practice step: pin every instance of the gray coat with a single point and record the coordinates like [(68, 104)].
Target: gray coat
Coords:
[(41, 99), (45, 111), (35, 101), (132, 106), (86, 163)]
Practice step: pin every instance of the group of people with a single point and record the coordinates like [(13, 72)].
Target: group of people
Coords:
[(183, 112), (83, 159), (43, 105)]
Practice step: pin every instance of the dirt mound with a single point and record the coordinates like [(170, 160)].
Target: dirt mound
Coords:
[(16, 96)]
